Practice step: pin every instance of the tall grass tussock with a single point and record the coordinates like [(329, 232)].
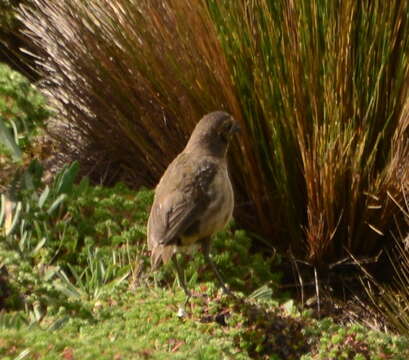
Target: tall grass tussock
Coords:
[(319, 88)]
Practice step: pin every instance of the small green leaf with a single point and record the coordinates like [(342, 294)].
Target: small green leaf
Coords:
[(50, 272), (16, 218), (290, 307), (23, 354), (66, 179), (43, 197), (2, 208), (58, 324), (39, 246), (119, 280), (68, 290), (7, 140), (56, 203), (24, 240)]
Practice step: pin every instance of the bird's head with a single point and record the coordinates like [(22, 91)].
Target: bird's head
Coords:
[(213, 133)]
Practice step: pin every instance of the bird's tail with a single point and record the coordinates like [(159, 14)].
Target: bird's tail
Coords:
[(161, 253)]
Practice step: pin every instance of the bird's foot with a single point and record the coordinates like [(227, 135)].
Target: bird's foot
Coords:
[(226, 291), (182, 308), (181, 312)]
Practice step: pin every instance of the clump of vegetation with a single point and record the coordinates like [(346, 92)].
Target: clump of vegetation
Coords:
[(23, 111), (22, 108), (353, 342), (48, 244), (25, 245), (390, 298), (319, 89), (103, 218), (330, 109)]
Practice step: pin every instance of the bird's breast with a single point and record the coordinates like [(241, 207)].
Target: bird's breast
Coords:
[(219, 210)]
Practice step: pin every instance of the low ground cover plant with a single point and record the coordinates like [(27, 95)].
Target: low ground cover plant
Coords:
[(89, 285), (324, 120)]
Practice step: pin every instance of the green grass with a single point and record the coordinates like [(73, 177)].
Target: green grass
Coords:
[(142, 324), (95, 304)]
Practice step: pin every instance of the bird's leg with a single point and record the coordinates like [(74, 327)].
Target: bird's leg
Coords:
[(181, 277), (208, 259)]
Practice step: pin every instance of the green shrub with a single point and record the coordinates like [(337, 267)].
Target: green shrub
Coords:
[(22, 107), (334, 342), (22, 113), (76, 241), (28, 244), (105, 238)]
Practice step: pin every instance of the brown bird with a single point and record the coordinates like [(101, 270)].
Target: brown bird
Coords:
[(194, 198)]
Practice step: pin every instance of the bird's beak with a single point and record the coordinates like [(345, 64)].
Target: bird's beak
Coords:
[(235, 128)]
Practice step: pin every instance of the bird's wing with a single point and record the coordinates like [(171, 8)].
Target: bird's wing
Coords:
[(180, 199)]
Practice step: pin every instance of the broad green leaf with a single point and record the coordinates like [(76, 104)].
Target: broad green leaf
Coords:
[(262, 293), (67, 178), (68, 289), (8, 141), (83, 185)]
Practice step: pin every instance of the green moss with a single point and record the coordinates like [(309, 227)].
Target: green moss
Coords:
[(143, 323), (334, 342), (103, 308), (138, 325)]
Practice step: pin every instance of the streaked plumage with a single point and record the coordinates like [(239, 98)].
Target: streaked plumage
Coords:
[(194, 198)]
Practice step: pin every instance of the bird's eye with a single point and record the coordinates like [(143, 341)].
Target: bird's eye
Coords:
[(224, 131), (227, 126)]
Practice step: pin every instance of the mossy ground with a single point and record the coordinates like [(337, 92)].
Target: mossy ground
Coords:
[(140, 324), (143, 324), (101, 301)]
